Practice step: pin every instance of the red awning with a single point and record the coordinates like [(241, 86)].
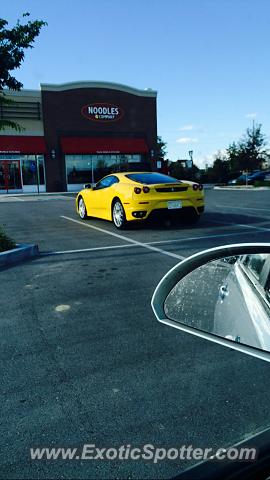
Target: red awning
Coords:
[(78, 145), (22, 144)]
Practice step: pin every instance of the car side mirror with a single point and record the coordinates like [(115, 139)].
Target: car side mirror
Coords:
[(221, 294), (88, 185)]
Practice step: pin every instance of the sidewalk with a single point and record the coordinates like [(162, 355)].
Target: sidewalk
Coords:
[(242, 188)]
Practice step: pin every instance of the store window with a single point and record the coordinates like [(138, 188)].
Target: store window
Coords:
[(91, 168), (24, 172), (79, 168), (33, 170), (9, 156), (10, 175)]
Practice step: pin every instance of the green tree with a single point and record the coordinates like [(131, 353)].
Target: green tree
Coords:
[(13, 43), (250, 152), (220, 170), (177, 170), (161, 148)]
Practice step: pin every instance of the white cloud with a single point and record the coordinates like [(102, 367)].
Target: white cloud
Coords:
[(187, 140), (251, 115), (203, 160), (208, 159), (186, 128)]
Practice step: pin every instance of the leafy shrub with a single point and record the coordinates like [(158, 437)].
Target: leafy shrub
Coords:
[(5, 242), (260, 183), (241, 181)]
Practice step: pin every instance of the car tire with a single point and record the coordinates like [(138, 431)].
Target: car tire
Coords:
[(82, 209), (118, 215)]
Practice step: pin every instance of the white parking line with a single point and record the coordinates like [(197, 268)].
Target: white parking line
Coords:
[(122, 237), (157, 242), (93, 249), (243, 208), (243, 225), (136, 244), (203, 237)]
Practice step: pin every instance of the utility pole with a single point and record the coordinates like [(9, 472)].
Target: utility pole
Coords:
[(190, 162), (37, 174)]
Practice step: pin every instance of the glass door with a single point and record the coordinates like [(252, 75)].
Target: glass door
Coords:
[(10, 175)]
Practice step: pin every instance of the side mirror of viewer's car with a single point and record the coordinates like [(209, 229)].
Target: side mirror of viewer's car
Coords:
[(221, 294)]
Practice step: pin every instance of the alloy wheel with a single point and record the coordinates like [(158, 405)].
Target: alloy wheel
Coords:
[(82, 209), (118, 215)]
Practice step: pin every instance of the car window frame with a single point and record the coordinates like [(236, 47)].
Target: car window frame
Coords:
[(97, 187), (170, 180), (258, 283)]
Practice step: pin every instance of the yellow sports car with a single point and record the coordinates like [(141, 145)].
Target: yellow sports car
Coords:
[(133, 196)]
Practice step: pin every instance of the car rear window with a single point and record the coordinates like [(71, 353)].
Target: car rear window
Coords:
[(151, 178)]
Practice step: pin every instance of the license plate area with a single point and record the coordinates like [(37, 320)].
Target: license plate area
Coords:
[(174, 204)]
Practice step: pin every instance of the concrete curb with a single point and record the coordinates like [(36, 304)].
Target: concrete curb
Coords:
[(241, 189), (207, 186), (18, 254), (35, 194)]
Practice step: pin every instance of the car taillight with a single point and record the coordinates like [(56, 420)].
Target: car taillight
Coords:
[(195, 186), (146, 189), (200, 187), (137, 190)]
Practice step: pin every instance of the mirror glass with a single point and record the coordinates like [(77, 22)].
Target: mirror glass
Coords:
[(229, 297)]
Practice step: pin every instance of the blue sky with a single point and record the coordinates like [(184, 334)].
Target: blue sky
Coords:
[(208, 59)]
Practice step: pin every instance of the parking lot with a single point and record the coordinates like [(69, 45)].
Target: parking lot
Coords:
[(83, 359)]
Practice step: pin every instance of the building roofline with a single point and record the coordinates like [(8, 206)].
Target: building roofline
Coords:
[(22, 92), (148, 92)]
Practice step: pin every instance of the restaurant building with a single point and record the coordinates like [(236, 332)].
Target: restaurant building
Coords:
[(76, 133)]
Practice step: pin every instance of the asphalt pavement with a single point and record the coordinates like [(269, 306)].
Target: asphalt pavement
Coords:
[(83, 359)]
